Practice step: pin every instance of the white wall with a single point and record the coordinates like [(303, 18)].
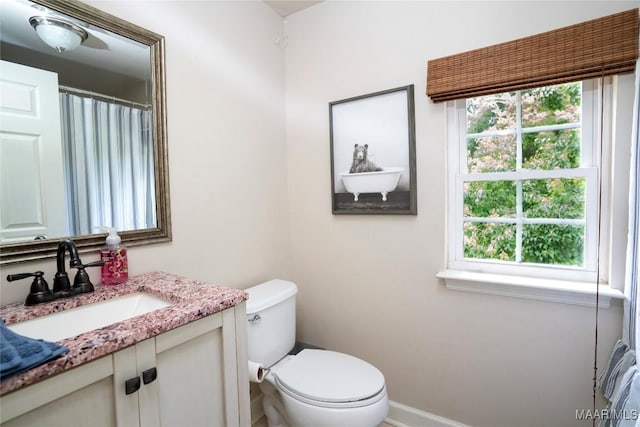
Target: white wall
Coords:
[(247, 207), (367, 283), (227, 158)]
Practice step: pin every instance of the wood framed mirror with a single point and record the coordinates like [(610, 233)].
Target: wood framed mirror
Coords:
[(97, 70)]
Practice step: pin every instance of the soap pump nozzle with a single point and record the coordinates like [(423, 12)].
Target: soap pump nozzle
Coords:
[(113, 240)]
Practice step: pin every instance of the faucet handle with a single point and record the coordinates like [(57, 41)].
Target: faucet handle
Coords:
[(93, 264), (20, 276), (82, 282), (39, 291)]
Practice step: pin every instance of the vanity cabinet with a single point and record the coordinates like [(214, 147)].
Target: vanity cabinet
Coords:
[(200, 379), (82, 396)]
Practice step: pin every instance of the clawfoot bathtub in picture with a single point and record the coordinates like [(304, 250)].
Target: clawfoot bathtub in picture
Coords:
[(382, 182)]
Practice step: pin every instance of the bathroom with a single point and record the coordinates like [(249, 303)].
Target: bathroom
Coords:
[(249, 173)]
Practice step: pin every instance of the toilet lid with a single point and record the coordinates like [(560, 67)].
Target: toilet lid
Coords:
[(328, 376)]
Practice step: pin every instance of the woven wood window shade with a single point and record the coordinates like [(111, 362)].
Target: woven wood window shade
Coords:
[(603, 46)]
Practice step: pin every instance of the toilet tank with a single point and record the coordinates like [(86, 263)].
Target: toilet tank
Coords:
[(271, 321)]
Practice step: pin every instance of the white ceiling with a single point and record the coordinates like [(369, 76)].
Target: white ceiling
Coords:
[(102, 48), (14, 22), (287, 7)]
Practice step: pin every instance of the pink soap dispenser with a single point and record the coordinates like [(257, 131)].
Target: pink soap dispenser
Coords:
[(115, 269)]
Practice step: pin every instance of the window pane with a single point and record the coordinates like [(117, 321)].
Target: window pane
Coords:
[(491, 154), (490, 241), (491, 112), (556, 149), (520, 132), (551, 105), (562, 198), (553, 244), (490, 199)]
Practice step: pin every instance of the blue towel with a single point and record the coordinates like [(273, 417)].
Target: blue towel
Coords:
[(19, 353)]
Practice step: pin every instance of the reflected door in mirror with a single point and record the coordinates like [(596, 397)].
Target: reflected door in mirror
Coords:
[(32, 183)]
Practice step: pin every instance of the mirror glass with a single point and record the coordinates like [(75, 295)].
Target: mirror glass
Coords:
[(82, 129)]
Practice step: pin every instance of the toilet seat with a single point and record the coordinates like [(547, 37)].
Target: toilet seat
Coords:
[(330, 379)]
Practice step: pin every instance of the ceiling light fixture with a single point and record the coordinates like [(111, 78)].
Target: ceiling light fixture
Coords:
[(57, 33)]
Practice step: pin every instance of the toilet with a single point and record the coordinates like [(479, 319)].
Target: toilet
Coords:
[(314, 387)]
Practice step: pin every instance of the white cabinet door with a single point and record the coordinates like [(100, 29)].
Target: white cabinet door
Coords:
[(195, 382), (83, 396), (191, 375), (202, 372), (136, 403), (148, 395), (32, 178)]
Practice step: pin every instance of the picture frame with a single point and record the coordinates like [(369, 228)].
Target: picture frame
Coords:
[(373, 150)]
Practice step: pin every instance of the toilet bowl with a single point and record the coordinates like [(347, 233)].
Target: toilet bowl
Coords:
[(314, 387), (326, 388)]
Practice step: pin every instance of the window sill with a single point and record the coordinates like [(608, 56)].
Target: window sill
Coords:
[(559, 291)]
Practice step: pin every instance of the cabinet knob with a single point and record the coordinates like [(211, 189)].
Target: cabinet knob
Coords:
[(149, 375), (132, 385)]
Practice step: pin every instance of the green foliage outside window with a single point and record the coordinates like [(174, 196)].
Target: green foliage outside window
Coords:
[(557, 198)]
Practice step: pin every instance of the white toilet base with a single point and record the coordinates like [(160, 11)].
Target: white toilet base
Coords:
[(283, 410)]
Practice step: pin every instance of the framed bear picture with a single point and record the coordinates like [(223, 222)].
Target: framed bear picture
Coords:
[(373, 149)]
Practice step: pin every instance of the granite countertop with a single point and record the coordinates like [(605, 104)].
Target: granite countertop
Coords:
[(192, 300)]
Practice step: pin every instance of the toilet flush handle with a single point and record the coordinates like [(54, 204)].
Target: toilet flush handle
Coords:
[(255, 318)]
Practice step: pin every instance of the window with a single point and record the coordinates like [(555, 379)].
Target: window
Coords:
[(509, 194), (524, 182)]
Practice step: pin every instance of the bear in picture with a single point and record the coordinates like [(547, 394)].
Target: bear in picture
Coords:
[(360, 161)]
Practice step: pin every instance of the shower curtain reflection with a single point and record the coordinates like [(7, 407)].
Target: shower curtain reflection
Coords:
[(109, 165)]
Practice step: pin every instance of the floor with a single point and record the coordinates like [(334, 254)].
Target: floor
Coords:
[(262, 422)]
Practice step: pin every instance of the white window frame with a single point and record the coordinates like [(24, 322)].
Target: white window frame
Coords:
[(537, 281)]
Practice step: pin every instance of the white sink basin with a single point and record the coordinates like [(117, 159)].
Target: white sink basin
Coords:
[(75, 321)]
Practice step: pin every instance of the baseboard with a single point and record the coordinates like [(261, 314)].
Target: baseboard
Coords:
[(399, 416), (405, 416), (257, 411)]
